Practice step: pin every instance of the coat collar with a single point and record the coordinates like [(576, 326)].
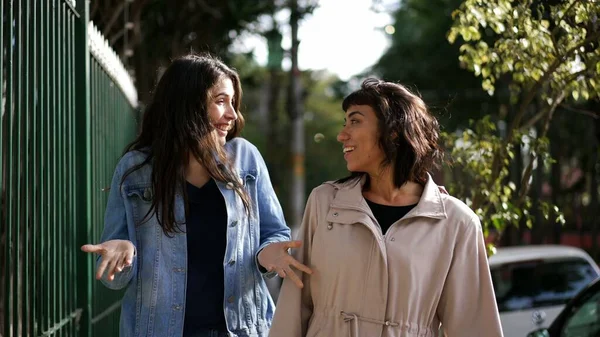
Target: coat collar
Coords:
[(349, 196)]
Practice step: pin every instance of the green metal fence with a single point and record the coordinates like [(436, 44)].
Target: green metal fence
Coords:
[(67, 111)]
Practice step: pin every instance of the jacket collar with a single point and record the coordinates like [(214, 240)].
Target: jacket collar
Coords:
[(349, 196)]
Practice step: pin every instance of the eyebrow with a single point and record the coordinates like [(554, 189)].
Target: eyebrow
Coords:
[(354, 113), (221, 94)]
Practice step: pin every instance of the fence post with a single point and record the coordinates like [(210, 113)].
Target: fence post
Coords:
[(82, 167)]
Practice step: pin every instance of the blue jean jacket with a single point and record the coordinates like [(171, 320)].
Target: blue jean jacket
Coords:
[(154, 302)]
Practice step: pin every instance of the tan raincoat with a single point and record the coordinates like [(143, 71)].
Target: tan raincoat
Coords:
[(429, 269)]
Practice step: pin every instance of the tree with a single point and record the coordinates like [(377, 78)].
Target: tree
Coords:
[(161, 30), (419, 56), (549, 54)]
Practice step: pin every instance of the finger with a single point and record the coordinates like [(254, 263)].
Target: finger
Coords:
[(92, 248), (112, 269), (129, 258), (125, 262), (300, 266), (292, 244), (281, 272), (101, 268), (120, 264), (290, 273)]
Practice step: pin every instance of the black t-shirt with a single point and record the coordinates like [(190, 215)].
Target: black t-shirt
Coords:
[(387, 215), (206, 226)]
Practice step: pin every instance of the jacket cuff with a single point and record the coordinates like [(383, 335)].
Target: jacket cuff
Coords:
[(261, 269)]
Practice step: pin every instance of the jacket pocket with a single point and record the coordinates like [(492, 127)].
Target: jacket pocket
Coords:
[(140, 199)]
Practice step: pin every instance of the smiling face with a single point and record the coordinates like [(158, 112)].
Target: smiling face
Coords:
[(221, 110), (360, 140)]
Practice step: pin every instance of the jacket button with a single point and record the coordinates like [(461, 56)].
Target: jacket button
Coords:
[(147, 194), (230, 299), (176, 307), (233, 223), (336, 214), (231, 262), (330, 226), (229, 186), (392, 239)]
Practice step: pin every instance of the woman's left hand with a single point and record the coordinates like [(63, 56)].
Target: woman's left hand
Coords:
[(275, 257)]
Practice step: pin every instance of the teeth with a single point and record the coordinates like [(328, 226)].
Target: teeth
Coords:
[(348, 149), (222, 127)]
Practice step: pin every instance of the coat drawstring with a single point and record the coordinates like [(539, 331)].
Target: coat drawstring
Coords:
[(354, 318)]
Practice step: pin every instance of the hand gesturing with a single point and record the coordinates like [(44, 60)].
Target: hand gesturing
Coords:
[(275, 257), (116, 255)]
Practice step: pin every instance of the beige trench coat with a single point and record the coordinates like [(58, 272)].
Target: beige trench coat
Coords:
[(429, 269)]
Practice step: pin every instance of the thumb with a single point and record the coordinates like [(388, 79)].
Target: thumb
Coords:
[(91, 248), (293, 244)]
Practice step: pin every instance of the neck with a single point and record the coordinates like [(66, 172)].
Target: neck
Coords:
[(195, 173), (383, 191)]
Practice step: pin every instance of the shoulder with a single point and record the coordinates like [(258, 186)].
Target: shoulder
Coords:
[(460, 214), (244, 155), (240, 145), (324, 192), (132, 159)]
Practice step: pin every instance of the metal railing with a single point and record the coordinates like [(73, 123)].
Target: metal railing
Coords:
[(68, 108)]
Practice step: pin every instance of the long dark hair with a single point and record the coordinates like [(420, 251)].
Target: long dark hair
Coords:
[(176, 124), (408, 133)]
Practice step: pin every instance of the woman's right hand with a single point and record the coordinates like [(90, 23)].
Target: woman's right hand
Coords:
[(116, 255)]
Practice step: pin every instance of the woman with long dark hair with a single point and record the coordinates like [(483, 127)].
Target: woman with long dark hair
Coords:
[(192, 223), (393, 255)]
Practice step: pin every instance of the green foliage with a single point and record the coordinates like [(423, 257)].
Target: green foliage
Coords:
[(473, 152), (547, 52), (324, 119), (531, 43), (419, 56)]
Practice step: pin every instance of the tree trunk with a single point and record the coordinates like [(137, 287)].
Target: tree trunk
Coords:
[(272, 122), (297, 124), (593, 207), (556, 187), (538, 228)]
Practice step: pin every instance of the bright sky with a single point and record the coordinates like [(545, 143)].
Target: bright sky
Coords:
[(343, 36)]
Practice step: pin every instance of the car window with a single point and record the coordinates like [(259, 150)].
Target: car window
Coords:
[(585, 321), (539, 283)]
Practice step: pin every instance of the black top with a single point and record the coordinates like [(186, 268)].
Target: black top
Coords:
[(206, 242), (387, 215)]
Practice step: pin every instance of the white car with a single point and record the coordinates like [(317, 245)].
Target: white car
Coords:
[(534, 283)]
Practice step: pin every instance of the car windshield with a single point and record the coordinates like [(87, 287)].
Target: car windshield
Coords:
[(531, 284)]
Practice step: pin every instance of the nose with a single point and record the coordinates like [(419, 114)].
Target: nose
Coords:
[(231, 114), (342, 136)]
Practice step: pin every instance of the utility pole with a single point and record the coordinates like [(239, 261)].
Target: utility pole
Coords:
[(295, 110)]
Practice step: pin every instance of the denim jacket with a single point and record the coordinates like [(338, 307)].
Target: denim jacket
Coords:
[(154, 302)]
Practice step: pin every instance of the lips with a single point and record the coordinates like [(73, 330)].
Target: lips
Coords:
[(348, 149), (222, 127)]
